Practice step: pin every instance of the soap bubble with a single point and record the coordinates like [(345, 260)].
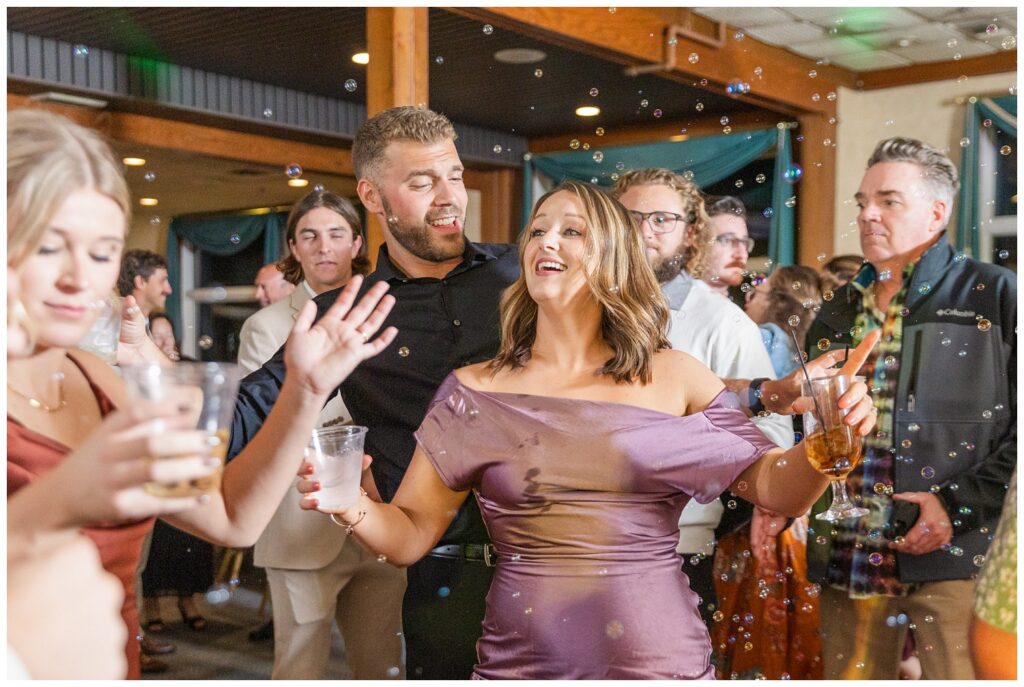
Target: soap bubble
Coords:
[(81, 51), (574, 143), (351, 85), (991, 28), (768, 212), (497, 149), (964, 142), (149, 176), (984, 325), (538, 72), (293, 170), (928, 472), (488, 29), (1005, 150), (699, 107), (1009, 43), (657, 113), (439, 60), (792, 174), (737, 87), (875, 559), (694, 58), (644, 102), (599, 131), (793, 320), (205, 342), (760, 178), (593, 92), (598, 156), (235, 239), (268, 113)]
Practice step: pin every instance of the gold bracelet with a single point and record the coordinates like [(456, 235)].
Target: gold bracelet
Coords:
[(350, 526)]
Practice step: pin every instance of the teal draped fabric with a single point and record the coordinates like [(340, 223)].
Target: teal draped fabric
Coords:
[(781, 250), (222, 235), (1003, 113), (709, 158)]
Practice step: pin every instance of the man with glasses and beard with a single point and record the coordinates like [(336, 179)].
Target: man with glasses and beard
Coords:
[(730, 244), (447, 291), (670, 213)]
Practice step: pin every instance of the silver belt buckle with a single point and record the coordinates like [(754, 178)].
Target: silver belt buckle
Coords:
[(488, 556)]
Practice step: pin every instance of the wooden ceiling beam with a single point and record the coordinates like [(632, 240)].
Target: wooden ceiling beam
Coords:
[(1003, 61), (637, 37)]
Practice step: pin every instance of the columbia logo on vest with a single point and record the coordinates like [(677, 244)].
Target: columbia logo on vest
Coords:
[(953, 312)]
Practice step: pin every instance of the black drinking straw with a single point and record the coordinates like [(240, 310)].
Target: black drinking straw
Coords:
[(807, 376)]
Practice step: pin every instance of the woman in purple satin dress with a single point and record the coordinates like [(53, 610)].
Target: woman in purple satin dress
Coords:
[(582, 441)]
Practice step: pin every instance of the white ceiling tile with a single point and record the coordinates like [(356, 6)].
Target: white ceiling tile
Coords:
[(919, 34), (786, 34), (938, 51), (745, 17), (960, 14), (830, 47), (855, 20), (865, 61)]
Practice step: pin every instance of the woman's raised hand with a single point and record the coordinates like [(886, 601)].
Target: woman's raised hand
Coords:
[(320, 355)]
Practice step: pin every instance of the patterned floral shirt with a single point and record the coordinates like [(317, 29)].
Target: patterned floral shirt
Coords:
[(995, 597), (860, 558)]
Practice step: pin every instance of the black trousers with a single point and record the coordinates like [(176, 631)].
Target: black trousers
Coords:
[(442, 616), (702, 583)]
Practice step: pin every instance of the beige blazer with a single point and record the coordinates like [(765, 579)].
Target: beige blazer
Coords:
[(294, 539)]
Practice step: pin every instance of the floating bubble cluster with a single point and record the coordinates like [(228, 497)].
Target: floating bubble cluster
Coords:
[(737, 87)]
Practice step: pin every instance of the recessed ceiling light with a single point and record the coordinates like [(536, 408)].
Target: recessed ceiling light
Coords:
[(520, 55), (361, 58), (588, 111), (298, 183), (148, 202), (134, 161)]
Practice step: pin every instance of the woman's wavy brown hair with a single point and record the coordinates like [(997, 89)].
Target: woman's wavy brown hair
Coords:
[(634, 315), (289, 265)]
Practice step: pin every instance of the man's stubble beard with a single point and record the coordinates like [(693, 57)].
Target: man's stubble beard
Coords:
[(419, 241), (667, 269)]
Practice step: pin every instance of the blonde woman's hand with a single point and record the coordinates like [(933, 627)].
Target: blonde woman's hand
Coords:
[(102, 480), (320, 355)]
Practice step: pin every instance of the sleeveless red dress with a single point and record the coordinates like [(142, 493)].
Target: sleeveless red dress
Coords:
[(29, 455)]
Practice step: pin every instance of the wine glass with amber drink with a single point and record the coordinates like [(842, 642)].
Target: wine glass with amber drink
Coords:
[(833, 447)]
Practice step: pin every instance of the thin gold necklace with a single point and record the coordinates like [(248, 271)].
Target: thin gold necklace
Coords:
[(39, 405)]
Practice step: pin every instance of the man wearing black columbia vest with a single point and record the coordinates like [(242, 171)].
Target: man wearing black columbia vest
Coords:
[(447, 292)]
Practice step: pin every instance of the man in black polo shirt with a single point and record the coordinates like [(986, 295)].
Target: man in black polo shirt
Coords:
[(447, 292)]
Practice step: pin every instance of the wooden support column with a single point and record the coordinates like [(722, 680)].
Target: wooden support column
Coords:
[(816, 209), (396, 38)]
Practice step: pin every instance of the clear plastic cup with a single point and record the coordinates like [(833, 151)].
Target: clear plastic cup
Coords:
[(105, 332), (337, 456), (208, 389)]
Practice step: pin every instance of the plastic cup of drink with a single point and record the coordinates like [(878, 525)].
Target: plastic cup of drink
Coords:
[(207, 392), (337, 456), (103, 336)]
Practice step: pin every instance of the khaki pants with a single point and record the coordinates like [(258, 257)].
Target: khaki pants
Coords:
[(363, 595), (862, 639)]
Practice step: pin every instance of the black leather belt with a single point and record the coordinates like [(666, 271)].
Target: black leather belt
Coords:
[(468, 552)]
